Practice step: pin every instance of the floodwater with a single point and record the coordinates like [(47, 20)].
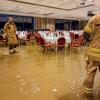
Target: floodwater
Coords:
[(31, 74)]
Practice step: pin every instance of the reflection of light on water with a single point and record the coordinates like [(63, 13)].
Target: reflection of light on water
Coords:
[(34, 92), (69, 80), (13, 87), (6, 98), (54, 90), (23, 85), (55, 93), (77, 95), (35, 88), (21, 90), (21, 80), (38, 89), (6, 53), (18, 76)]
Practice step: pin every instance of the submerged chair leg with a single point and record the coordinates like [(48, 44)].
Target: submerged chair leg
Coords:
[(56, 49), (65, 49)]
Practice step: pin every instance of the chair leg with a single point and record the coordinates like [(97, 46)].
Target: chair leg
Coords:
[(46, 50), (4, 45), (56, 49), (19, 43), (65, 49), (68, 46)]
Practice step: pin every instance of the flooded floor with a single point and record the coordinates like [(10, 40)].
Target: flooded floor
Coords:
[(31, 74)]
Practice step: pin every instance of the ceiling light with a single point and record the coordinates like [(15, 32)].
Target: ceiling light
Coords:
[(83, 2), (48, 14), (91, 0)]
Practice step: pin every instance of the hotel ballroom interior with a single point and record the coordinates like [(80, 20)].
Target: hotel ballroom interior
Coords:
[(49, 61)]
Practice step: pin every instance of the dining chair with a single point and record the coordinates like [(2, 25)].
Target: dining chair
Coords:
[(44, 44), (61, 44), (2, 40)]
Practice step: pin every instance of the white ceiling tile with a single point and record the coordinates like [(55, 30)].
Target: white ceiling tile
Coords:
[(49, 6)]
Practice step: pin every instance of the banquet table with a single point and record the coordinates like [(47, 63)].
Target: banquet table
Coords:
[(53, 39)]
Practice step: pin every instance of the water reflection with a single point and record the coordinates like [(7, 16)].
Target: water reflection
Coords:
[(34, 75)]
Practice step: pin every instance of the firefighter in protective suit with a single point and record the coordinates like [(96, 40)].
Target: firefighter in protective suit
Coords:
[(10, 33), (92, 34)]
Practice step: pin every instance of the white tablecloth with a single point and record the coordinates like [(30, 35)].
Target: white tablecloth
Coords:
[(53, 40)]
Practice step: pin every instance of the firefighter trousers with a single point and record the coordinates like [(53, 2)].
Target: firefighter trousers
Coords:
[(91, 70)]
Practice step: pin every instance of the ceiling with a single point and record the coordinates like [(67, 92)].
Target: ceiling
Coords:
[(60, 9)]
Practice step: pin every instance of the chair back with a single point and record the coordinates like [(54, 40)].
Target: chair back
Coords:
[(1, 37), (47, 34), (37, 39), (61, 41), (72, 34), (76, 36), (42, 41), (81, 38), (17, 36), (28, 36)]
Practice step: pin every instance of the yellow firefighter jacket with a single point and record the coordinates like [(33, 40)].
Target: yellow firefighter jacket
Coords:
[(93, 28), (10, 31)]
